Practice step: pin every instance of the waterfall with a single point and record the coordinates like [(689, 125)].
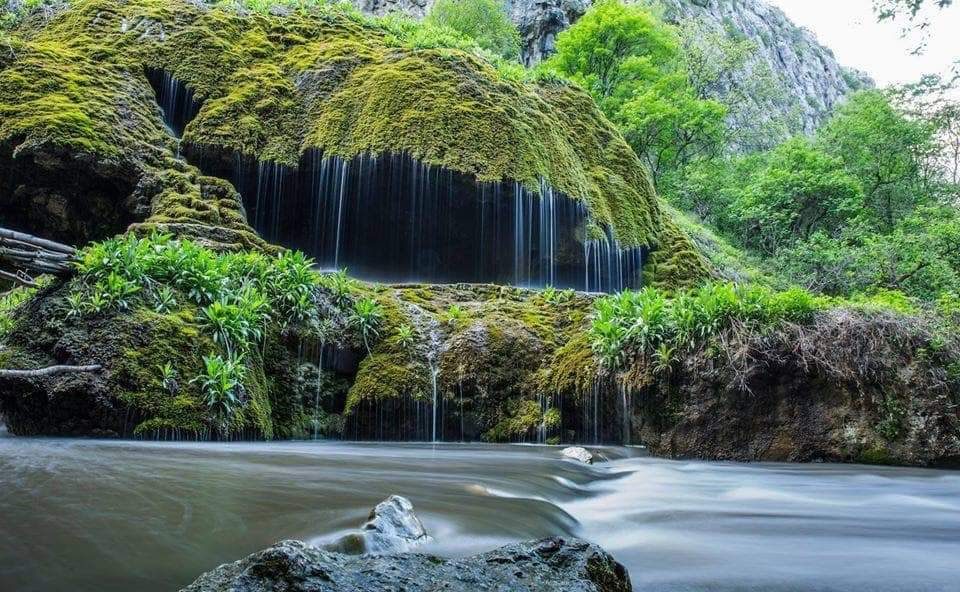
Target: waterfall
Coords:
[(316, 396), (176, 100), (391, 218), (434, 373), (626, 410)]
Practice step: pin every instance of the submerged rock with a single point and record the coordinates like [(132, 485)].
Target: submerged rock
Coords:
[(578, 453), (391, 528), (548, 565)]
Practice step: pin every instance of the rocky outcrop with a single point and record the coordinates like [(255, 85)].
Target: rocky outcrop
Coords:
[(813, 81), (548, 565), (853, 386), (391, 528)]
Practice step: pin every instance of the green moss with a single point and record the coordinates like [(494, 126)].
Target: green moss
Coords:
[(573, 368), (676, 262), (878, 455), (387, 376), (523, 417)]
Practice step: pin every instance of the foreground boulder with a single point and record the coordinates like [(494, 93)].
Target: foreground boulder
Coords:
[(391, 528), (578, 453), (548, 565)]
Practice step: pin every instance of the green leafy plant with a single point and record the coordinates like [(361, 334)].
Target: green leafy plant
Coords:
[(168, 378), (222, 387), (454, 314), (365, 318), (341, 285), (405, 336), (164, 300)]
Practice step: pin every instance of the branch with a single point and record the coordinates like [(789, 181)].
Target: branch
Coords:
[(36, 254), (18, 278), (49, 371), (42, 243)]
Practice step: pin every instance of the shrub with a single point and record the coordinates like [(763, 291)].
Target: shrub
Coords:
[(222, 388), (365, 319)]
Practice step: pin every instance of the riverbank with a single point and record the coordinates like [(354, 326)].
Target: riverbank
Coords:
[(153, 516)]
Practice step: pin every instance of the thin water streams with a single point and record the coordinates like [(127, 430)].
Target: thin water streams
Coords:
[(389, 217), (120, 516)]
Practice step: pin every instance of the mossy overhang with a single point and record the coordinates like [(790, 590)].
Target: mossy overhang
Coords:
[(274, 86)]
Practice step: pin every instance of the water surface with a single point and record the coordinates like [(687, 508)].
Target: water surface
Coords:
[(118, 516)]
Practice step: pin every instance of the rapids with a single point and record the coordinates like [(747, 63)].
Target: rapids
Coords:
[(119, 516)]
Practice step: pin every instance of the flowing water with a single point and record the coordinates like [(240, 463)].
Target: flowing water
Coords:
[(121, 516)]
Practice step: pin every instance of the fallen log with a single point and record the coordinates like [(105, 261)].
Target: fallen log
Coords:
[(49, 371), (18, 278)]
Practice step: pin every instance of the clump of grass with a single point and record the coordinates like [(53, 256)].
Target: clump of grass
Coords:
[(654, 324)]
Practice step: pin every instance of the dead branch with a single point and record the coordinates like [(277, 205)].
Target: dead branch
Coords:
[(38, 255), (18, 278), (49, 371)]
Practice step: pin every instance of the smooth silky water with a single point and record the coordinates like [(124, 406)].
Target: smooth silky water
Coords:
[(120, 516)]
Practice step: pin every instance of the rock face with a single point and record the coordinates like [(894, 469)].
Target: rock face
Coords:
[(812, 80), (391, 528), (847, 388), (548, 565)]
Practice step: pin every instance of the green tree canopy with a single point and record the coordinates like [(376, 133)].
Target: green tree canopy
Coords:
[(485, 21), (800, 190), (631, 62), (886, 150)]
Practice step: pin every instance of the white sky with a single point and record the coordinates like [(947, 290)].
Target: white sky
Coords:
[(851, 30)]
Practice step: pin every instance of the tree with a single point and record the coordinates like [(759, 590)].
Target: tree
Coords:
[(800, 190), (485, 21), (630, 61), (888, 152), (720, 66)]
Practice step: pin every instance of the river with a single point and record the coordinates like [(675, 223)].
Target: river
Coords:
[(110, 516)]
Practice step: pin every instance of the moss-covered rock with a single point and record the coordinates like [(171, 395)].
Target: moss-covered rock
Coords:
[(503, 360), (271, 88)]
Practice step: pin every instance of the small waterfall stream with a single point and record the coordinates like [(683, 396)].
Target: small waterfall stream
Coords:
[(175, 99)]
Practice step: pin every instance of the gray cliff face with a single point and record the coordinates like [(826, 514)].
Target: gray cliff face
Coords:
[(812, 80)]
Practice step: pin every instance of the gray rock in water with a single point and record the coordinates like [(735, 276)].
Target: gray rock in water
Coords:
[(391, 528), (548, 565), (578, 453)]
